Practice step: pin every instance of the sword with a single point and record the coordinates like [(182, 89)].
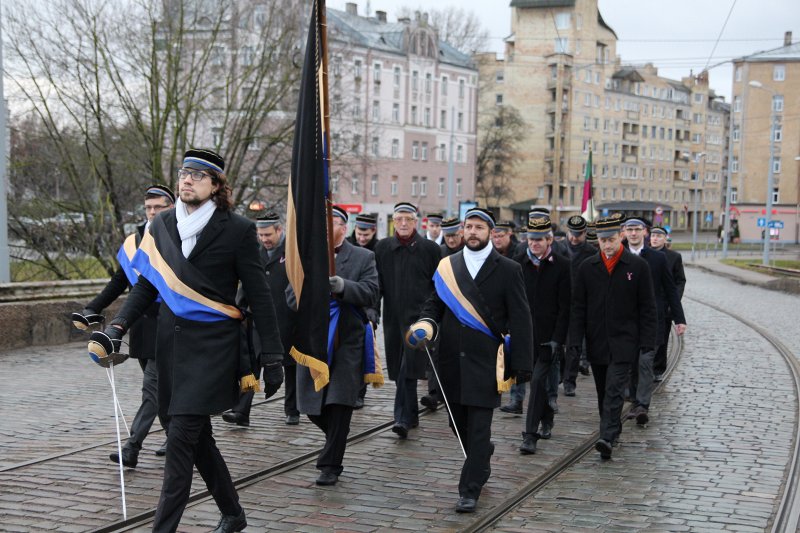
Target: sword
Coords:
[(119, 441), (446, 403), (116, 401)]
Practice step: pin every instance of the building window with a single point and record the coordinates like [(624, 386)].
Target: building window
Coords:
[(735, 164), (499, 76), (562, 45), (375, 147), (217, 55), (356, 143), (376, 73), (737, 104), (442, 152), (396, 77), (423, 186), (458, 188), (778, 135), (776, 165), (395, 148), (562, 21), (444, 85), (698, 98), (775, 196), (428, 117), (462, 89), (734, 195), (441, 187), (424, 152), (395, 113), (443, 119), (460, 121), (460, 154), (376, 110), (356, 111), (354, 184), (414, 185), (335, 182), (779, 73), (373, 185), (415, 150), (414, 114), (777, 103), (393, 188), (736, 133), (357, 69), (738, 74), (246, 57), (415, 81), (428, 83), (498, 99)]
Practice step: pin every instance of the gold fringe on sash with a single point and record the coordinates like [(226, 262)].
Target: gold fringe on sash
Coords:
[(377, 378), (503, 385), (320, 372), (249, 383)]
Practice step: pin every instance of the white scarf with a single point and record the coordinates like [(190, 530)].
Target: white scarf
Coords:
[(475, 258), (190, 225)]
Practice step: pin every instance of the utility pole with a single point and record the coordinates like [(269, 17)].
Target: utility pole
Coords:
[(5, 269)]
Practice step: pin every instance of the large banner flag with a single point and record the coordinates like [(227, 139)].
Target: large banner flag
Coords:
[(587, 204), (306, 230)]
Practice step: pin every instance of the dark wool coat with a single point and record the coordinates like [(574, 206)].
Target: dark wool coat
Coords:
[(665, 290), (616, 313), (675, 265), (449, 251), (370, 245), (142, 334), (198, 362), (357, 267), (467, 357), (406, 281)]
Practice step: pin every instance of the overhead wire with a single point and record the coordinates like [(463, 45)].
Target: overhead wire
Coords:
[(724, 25)]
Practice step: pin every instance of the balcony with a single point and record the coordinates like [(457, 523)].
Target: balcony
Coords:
[(630, 158), (552, 106), (565, 82), (631, 136), (550, 130)]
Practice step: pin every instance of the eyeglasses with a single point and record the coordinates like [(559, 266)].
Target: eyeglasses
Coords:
[(403, 220), (196, 175)]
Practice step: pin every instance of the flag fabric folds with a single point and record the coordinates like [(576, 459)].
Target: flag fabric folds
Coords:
[(306, 231), (587, 204)]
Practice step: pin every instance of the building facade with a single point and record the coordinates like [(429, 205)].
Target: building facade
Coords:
[(403, 115), (657, 145), (766, 117)]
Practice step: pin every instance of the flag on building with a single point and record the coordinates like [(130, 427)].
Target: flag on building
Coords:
[(587, 204), (306, 226)]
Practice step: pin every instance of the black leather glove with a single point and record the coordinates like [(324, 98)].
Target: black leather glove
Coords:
[(373, 316), (273, 373), (86, 319), (104, 347), (523, 376)]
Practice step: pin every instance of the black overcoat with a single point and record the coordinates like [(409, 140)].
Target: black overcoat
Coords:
[(467, 357), (675, 265), (357, 266), (548, 290), (406, 281), (665, 290), (617, 312), (198, 362)]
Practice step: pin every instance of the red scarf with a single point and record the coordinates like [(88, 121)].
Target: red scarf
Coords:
[(405, 241), (611, 262)]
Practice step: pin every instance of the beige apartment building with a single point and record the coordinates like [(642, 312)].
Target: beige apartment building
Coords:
[(403, 107), (658, 145), (766, 113)]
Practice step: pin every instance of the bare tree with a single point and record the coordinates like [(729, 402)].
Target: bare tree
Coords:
[(459, 28), (121, 88), (499, 133)]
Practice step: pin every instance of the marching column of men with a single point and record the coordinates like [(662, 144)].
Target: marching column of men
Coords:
[(455, 300)]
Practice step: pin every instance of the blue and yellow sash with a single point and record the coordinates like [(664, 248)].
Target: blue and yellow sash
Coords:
[(463, 302), (187, 292), (125, 258), (373, 371)]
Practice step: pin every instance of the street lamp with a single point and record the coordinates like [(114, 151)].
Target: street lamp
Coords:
[(797, 208), (770, 175), (697, 159)]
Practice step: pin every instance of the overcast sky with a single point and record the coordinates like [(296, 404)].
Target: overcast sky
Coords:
[(675, 35)]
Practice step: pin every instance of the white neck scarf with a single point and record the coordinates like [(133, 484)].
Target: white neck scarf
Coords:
[(190, 225), (475, 258), (637, 250)]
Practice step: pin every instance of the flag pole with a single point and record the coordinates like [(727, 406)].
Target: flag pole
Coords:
[(322, 28)]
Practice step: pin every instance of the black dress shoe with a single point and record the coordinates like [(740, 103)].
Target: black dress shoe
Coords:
[(292, 420), (359, 404), (641, 416), (130, 457), (466, 505), (430, 402), (604, 447), (232, 417), (584, 370), (514, 408), (327, 479), (401, 430), (231, 523), (528, 446), (553, 403), (161, 452), (569, 389), (546, 432)]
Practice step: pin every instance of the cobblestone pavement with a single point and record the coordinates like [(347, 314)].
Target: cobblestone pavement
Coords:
[(710, 459)]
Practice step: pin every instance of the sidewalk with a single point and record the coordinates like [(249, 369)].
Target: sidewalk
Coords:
[(713, 265)]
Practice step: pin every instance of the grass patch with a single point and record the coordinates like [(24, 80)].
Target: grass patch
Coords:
[(746, 264), (687, 246), (82, 268)]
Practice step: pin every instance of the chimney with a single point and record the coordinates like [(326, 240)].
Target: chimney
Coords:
[(381, 16), (404, 20), (351, 8), (787, 38)]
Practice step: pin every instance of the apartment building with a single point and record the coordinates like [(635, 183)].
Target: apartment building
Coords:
[(403, 115), (766, 107), (658, 145)]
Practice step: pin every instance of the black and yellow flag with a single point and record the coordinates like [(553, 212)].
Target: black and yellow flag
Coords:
[(306, 232)]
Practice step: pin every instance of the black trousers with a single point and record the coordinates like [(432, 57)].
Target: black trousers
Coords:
[(190, 443), (660, 362), (475, 427), (148, 410), (334, 421), (245, 402), (610, 382), (539, 410), (406, 411)]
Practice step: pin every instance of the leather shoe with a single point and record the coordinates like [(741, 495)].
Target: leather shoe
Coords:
[(130, 457), (327, 479), (466, 505), (658, 378), (401, 430), (161, 452), (292, 420), (641, 416), (584, 370), (514, 408), (569, 389), (604, 447), (231, 523), (430, 402), (232, 417), (359, 404), (546, 432), (528, 446), (553, 403)]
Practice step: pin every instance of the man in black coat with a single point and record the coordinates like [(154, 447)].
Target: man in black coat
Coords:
[(355, 289), (406, 263), (452, 235), (503, 239), (666, 294), (195, 256), (658, 241), (614, 308), (480, 279), (143, 332), (365, 234), (547, 288), (269, 231)]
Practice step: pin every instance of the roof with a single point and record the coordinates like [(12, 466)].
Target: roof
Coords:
[(385, 36), (526, 205), (634, 206), (629, 74), (542, 3), (782, 53)]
